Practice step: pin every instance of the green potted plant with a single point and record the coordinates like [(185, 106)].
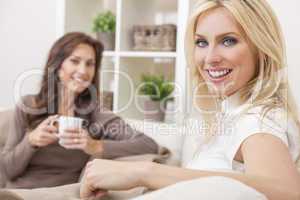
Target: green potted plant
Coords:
[(104, 25), (158, 90)]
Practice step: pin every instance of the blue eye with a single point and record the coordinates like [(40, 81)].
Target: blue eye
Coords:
[(201, 43), (229, 41)]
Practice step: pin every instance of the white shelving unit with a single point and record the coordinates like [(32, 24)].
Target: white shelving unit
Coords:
[(123, 63), (143, 54)]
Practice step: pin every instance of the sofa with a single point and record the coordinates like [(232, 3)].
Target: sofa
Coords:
[(170, 141), (180, 142)]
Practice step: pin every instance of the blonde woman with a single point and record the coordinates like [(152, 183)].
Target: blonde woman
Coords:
[(236, 48)]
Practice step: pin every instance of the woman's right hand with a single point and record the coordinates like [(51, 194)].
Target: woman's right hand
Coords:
[(44, 134)]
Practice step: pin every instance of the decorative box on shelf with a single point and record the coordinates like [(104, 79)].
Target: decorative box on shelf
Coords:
[(154, 37), (106, 99)]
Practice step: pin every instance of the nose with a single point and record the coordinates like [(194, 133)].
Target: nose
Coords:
[(82, 69), (213, 56)]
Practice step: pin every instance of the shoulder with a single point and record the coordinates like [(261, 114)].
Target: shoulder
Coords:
[(26, 102), (25, 106), (261, 121)]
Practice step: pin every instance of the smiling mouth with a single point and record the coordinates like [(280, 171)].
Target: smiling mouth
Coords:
[(79, 80), (217, 74)]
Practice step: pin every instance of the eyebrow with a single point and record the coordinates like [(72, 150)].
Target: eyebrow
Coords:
[(78, 57), (220, 35)]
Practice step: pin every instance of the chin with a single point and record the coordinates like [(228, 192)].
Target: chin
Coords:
[(220, 90), (79, 91), (76, 90)]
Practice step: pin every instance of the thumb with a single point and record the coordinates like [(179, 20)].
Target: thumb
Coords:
[(99, 193), (50, 119)]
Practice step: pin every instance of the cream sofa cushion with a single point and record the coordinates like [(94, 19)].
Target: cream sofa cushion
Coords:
[(166, 135), (205, 188)]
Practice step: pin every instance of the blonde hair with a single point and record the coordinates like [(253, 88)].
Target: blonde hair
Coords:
[(262, 29)]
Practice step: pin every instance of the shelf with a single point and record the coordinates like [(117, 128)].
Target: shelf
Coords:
[(107, 72), (155, 12), (109, 53), (145, 54), (122, 68), (79, 14), (140, 54), (131, 71)]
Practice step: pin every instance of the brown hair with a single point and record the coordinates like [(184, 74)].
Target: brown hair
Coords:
[(49, 91)]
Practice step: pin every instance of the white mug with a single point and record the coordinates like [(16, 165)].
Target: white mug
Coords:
[(65, 122)]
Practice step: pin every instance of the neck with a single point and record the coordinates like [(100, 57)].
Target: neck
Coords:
[(66, 102)]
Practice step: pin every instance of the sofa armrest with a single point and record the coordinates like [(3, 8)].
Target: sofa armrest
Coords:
[(166, 135)]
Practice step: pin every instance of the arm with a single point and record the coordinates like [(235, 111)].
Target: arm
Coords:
[(112, 138), (121, 140), (275, 176), (17, 151), (118, 139)]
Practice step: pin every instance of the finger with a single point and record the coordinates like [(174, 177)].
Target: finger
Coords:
[(91, 190), (83, 131), (70, 141), (72, 146), (49, 136), (70, 136), (45, 141), (50, 129), (99, 193), (84, 134), (73, 141), (72, 130), (49, 119), (85, 191), (89, 165)]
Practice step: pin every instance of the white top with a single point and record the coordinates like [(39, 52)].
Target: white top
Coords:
[(219, 153)]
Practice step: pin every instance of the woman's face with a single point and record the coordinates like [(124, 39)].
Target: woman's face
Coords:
[(224, 58), (77, 71)]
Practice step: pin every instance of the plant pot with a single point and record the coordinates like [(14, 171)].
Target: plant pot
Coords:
[(107, 39), (153, 110)]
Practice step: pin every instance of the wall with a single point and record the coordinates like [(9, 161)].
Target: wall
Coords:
[(288, 14), (27, 30)]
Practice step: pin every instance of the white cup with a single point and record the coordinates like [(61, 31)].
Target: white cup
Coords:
[(65, 122)]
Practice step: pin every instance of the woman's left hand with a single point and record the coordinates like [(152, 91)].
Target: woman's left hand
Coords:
[(80, 139), (111, 175)]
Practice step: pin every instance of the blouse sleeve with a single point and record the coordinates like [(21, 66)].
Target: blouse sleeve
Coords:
[(119, 139), (274, 122), (17, 151)]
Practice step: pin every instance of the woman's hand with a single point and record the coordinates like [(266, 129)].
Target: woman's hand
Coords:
[(80, 139), (90, 193), (106, 175), (44, 134)]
